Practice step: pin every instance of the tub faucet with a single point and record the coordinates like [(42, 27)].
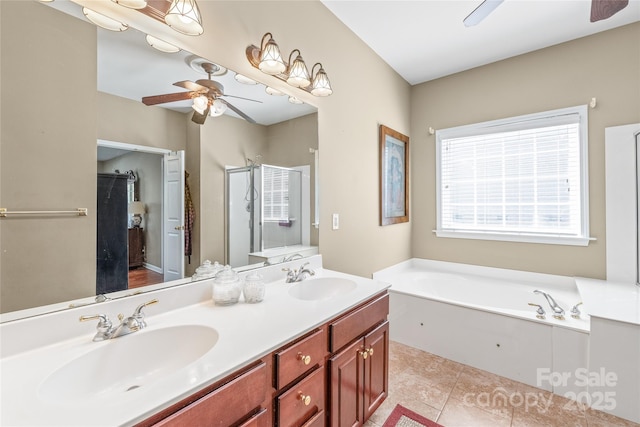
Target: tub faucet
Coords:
[(291, 257), (558, 312), (298, 275)]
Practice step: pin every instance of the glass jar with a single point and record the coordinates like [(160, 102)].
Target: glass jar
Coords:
[(206, 270), (254, 288), (227, 287)]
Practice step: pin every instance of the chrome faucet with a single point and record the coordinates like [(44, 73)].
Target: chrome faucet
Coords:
[(292, 257), (298, 275), (133, 323), (558, 312)]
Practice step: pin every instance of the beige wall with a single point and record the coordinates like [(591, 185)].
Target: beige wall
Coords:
[(37, 141), (605, 66)]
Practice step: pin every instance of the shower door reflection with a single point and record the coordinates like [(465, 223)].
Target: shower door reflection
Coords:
[(267, 208)]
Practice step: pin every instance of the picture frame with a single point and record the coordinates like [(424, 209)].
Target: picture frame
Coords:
[(394, 176)]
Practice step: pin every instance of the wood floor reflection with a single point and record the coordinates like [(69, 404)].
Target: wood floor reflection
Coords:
[(142, 277)]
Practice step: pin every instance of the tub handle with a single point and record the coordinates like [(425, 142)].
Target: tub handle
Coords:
[(575, 311), (539, 312)]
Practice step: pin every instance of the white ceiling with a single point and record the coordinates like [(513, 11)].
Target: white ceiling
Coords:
[(425, 40)]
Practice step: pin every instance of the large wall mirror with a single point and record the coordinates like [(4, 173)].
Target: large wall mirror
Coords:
[(71, 111)]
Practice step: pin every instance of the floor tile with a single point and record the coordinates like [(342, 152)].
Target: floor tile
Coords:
[(458, 414)]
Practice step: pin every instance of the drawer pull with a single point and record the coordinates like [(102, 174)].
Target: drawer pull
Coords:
[(306, 399), (304, 359)]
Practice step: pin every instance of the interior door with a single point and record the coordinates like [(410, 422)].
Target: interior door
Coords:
[(173, 213)]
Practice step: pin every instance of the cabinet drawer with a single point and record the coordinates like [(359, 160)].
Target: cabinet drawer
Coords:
[(294, 361), (316, 421), (345, 329), (225, 405), (302, 401), (258, 420)]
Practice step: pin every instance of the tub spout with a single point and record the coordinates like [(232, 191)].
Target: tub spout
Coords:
[(558, 312)]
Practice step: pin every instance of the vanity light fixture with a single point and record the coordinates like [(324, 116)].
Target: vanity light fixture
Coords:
[(272, 91), (161, 45), (270, 59), (320, 85), (267, 59), (104, 21), (298, 73), (184, 17), (240, 78), (132, 4)]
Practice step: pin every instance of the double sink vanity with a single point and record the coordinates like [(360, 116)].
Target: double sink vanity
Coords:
[(290, 360)]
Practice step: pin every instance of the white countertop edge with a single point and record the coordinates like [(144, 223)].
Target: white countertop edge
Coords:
[(610, 300)]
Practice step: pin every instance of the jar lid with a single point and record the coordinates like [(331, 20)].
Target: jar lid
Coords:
[(207, 270), (254, 276), (226, 275)]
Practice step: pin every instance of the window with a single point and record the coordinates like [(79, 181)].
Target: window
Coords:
[(518, 179), (275, 192)]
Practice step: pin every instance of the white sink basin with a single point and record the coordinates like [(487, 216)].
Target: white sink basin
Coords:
[(128, 362), (321, 288)]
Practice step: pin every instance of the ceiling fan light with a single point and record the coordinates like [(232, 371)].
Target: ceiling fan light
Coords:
[(298, 73), (184, 17), (218, 108), (321, 85), (270, 59), (104, 21), (200, 103), (161, 45), (481, 12), (294, 100), (132, 4)]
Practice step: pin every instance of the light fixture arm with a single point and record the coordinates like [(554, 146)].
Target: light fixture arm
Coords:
[(291, 55), (262, 43), (314, 67)]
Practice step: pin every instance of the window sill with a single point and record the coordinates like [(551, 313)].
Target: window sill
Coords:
[(519, 238)]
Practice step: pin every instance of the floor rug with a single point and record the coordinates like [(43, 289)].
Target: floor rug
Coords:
[(403, 417)]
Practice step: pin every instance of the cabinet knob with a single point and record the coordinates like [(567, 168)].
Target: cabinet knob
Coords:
[(364, 354), (371, 351), (304, 359), (306, 399)]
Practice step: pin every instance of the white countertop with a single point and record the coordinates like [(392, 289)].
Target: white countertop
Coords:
[(247, 332)]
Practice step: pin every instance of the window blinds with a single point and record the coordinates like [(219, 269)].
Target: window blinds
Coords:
[(275, 191)]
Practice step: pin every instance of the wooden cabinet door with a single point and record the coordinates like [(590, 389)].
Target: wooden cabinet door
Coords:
[(347, 386), (376, 368)]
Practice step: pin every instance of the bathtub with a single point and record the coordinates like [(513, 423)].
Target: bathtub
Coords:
[(480, 316)]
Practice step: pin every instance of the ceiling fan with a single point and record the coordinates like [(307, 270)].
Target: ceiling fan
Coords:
[(207, 95), (600, 9)]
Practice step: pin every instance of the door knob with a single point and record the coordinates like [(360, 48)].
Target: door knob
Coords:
[(179, 227)]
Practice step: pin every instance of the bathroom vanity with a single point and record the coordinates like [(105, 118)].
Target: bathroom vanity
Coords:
[(291, 360)]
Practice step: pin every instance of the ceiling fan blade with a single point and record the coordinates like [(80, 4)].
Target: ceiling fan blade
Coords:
[(200, 118), (167, 97), (238, 112), (188, 84), (481, 12), (239, 97), (603, 9)]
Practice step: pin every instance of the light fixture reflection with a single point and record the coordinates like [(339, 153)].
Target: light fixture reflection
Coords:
[(132, 4), (161, 45), (320, 85), (270, 59), (240, 78), (298, 74), (104, 21), (218, 108), (272, 91), (200, 103), (294, 100), (184, 17)]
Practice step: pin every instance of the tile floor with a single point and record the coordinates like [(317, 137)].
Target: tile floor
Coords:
[(456, 395)]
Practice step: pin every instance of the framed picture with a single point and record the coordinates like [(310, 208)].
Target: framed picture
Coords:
[(394, 176)]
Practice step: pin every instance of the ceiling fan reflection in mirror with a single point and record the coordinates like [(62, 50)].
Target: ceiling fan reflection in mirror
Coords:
[(207, 96), (600, 9)]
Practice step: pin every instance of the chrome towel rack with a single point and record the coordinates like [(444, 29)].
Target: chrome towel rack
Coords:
[(4, 212)]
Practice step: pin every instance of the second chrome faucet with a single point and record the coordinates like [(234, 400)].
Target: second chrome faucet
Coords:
[(558, 312), (298, 275)]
